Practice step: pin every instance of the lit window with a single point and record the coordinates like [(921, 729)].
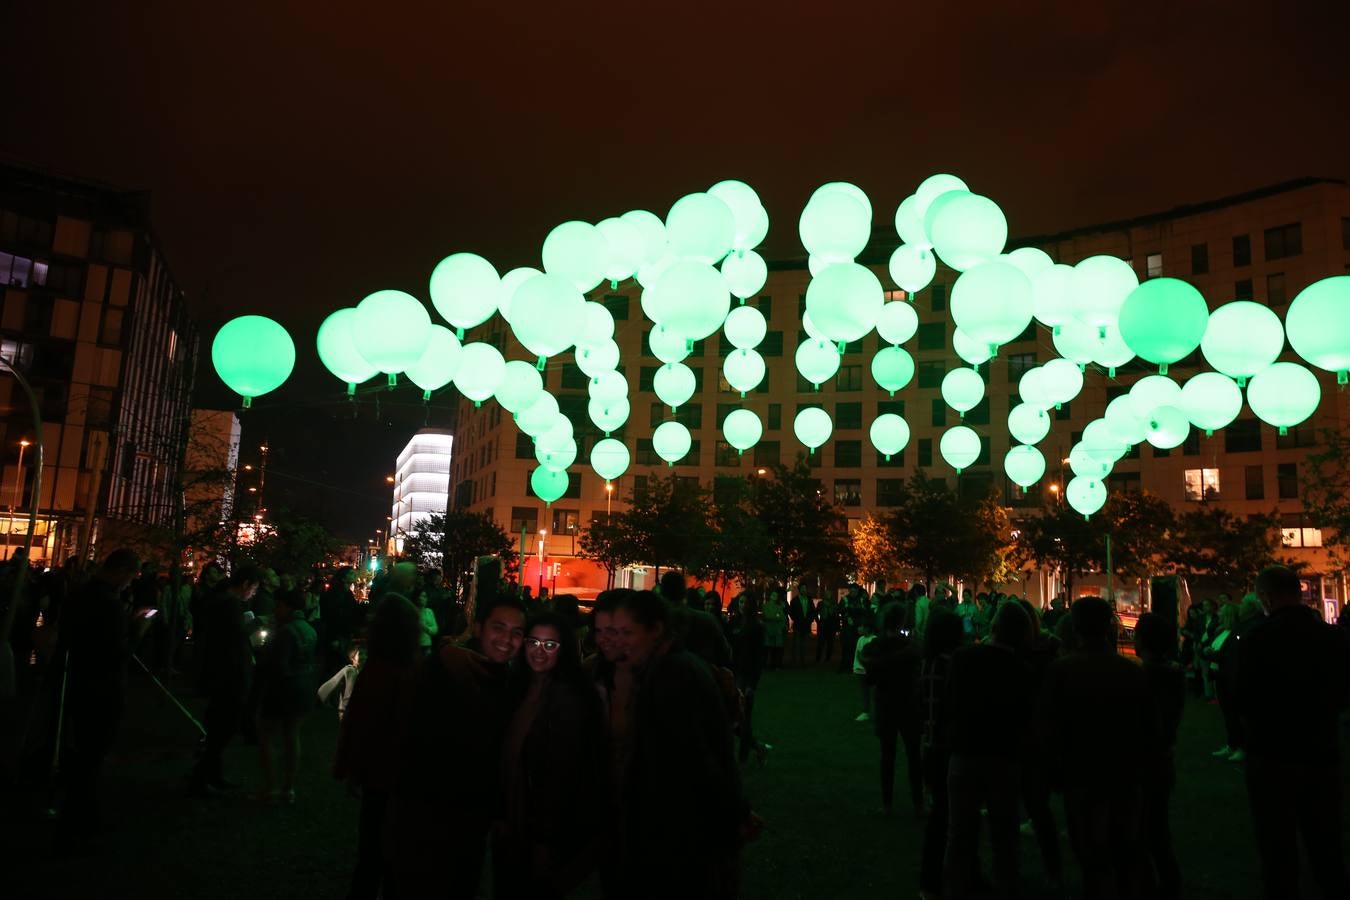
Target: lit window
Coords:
[(1202, 484), (1155, 265)]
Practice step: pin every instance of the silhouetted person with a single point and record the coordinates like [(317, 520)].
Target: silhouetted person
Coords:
[(1155, 642), (940, 641), (96, 633), (1294, 680), (1096, 725), (699, 632), (827, 626), (337, 620), (1041, 650), (892, 663), (801, 612), (748, 658)]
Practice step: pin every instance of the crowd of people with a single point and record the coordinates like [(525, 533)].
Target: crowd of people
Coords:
[(589, 745)]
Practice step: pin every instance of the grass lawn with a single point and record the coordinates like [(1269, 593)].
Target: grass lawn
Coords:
[(818, 792)]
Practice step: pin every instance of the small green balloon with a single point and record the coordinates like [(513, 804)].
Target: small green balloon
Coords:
[(1086, 495), (892, 368), (889, 434), (700, 228), (548, 485), (1318, 325), (337, 349), (609, 458), (742, 429), (744, 370), (690, 298), (1163, 320), (962, 389), (967, 230), (674, 384), (536, 418), (912, 267), (1028, 424), (439, 363), (745, 273), (481, 368), (844, 301), (835, 223), (465, 289), (812, 426), (392, 329), (1101, 285), (1024, 465), (608, 415), (991, 302), (671, 441), (1284, 394), (817, 360), (960, 446), (1211, 401), (577, 253), (1061, 380), (1167, 427), (897, 322), (252, 355), (520, 386), (1242, 338), (745, 327)]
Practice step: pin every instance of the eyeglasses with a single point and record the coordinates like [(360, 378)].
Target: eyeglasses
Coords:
[(548, 646)]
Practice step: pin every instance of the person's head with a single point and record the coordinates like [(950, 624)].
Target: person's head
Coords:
[(944, 633), (894, 618), (1033, 615), (1224, 599), (526, 592), (750, 605), (354, 656), (712, 602), (287, 582), (550, 647), (640, 623), (501, 629), (672, 587), (1012, 626), (1211, 607), (119, 568), (919, 590), (1278, 588), (1228, 615), (804, 591), (1058, 602), (244, 581), (1249, 608), (1154, 639), (290, 605), (969, 596), (212, 574), (606, 636), (403, 578), (1093, 623), (271, 581), (431, 578), (394, 632), (347, 577)]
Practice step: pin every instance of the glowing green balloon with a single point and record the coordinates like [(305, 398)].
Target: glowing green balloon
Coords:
[(439, 363), (897, 322), (1112, 352), (844, 301), (847, 189), (819, 262), (1024, 465), (1052, 295), (608, 415), (1167, 427), (674, 384), (623, 248), (597, 324), (465, 289), (520, 386), (596, 358), (700, 228), (912, 268), (746, 210), (1153, 391), (811, 330), (892, 368), (1028, 424), (557, 455), (576, 252), (548, 485), (967, 230), (742, 429), (745, 327), (960, 446), (690, 298), (1085, 495), (481, 369), (991, 302), (812, 426), (337, 350), (547, 313), (1284, 394), (744, 370), (668, 345), (1101, 443), (1076, 341), (539, 416), (1086, 465), (909, 224), (835, 224), (608, 386), (391, 329), (1211, 401), (972, 351), (1318, 324), (1100, 286), (1242, 338), (817, 361), (609, 458), (1032, 389), (1163, 320), (935, 186), (745, 273), (1031, 260), (962, 389), (1124, 422), (671, 441), (252, 355), (889, 434), (652, 231), (511, 282), (1061, 381)]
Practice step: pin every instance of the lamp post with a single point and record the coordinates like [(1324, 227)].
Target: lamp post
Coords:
[(609, 501), (14, 501), (543, 533)]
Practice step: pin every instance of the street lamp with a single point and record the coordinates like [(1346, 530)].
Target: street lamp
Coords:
[(761, 471), (609, 501), (23, 445), (543, 533)]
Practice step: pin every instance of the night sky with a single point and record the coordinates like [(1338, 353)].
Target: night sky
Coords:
[(302, 155)]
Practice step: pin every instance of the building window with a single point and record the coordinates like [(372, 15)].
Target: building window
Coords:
[(848, 492), (724, 410), (566, 521), (726, 455), (1154, 263), (925, 452), (847, 454), (1275, 291), (1296, 436), (1202, 484), (524, 446), (37, 317), (765, 305), (801, 305), (1286, 475), (931, 372), (979, 413), (896, 407), (940, 413), (524, 518), (1063, 412), (617, 304), (772, 345), (1255, 483), (640, 488), (1199, 259), (1191, 446), (1295, 531), (897, 461), (1242, 289), (690, 415), (1243, 436), (1125, 482), (938, 296), (1242, 250), (775, 417), (646, 453), (932, 336), (1284, 240), (848, 415), (646, 376), (1019, 364), (768, 453), (850, 378), (889, 491), (573, 378), (658, 414)]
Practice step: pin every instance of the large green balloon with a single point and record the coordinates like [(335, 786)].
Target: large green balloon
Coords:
[(745, 273), (1031, 388), (539, 416), (912, 267), (1163, 320), (700, 228), (556, 455), (511, 282), (597, 324), (608, 415), (652, 231), (1153, 391), (667, 345), (1024, 465), (337, 350), (439, 363), (1031, 260), (892, 368), (967, 230), (1086, 495), (745, 327), (897, 322), (623, 248), (817, 361), (1076, 341), (481, 368), (609, 458), (674, 384), (991, 302), (960, 446), (1318, 324), (671, 441), (742, 429), (594, 359), (608, 386), (812, 426), (909, 224), (576, 252), (391, 329), (1085, 464), (835, 224), (744, 370), (844, 301), (1167, 427), (1242, 338), (962, 389), (1284, 395), (1028, 424), (1211, 401), (547, 313), (1100, 285), (520, 386), (1052, 295), (465, 289), (1112, 352), (548, 485), (690, 298), (252, 355), (1101, 443), (746, 210), (1124, 422), (935, 186), (889, 434), (1060, 381), (972, 351)]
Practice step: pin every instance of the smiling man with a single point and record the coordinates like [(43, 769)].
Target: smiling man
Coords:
[(448, 784)]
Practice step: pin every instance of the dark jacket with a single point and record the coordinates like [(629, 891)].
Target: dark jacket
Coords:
[(95, 631), (701, 634), (1095, 719), (892, 664), (561, 761), (368, 750), (748, 652), (287, 675), (1293, 682), (223, 650), (337, 613), (990, 703), (1167, 696)]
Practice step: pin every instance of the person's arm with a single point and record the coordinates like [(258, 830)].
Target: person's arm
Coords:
[(327, 688)]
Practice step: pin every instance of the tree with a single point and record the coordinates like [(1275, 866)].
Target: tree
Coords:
[(291, 543), (1061, 538), (1141, 528), (874, 549), (1232, 550), (610, 543), (741, 548), (668, 524), (806, 532), (1326, 489), (936, 532), (454, 540)]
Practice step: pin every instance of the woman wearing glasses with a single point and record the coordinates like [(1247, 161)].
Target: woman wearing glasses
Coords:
[(543, 846)]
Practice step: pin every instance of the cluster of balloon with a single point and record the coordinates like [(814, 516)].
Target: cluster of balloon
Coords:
[(252, 355)]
